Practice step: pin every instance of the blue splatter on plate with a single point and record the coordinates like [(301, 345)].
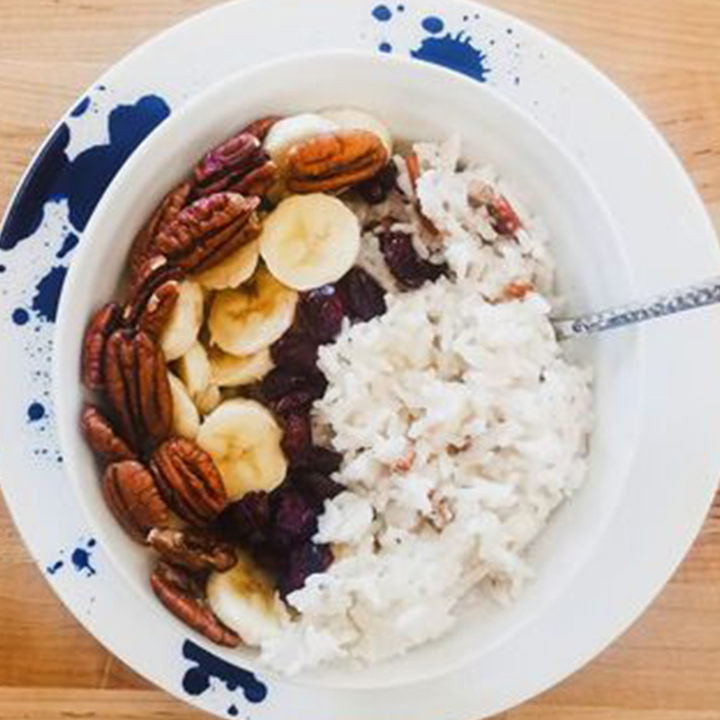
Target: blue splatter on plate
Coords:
[(642, 184)]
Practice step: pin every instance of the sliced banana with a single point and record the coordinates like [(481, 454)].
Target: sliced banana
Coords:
[(245, 599), (195, 372), (185, 320), (251, 318), (208, 400), (233, 371), (353, 119), (186, 419), (234, 271), (310, 240), (244, 441), (293, 130)]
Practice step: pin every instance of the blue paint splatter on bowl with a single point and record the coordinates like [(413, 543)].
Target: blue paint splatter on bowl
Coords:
[(52, 569), (232, 711), (35, 412), (385, 47), (433, 25), (207, 666), (20, 316), (47, 296), (382, 13), (81, 107), (81, 181), (81, 557), (69, 244), (455, 52)]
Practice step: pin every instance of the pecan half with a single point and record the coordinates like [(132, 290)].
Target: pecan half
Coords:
[(101, 326), (261, 127), (209, 230), (189, 481), (334, 161), (102, 438), (138, 388), (152, 295), (168, 210), (133, 498), (184, 597), (239, 165), (194, 549)]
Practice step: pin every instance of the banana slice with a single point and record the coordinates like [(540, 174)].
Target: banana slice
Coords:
[(208, 400), (310, 240), (233, 371), (185, 320), (194, 370), (186, 419), (293, 130), (246, 601), (234, 271), (251, 318), (244, 441), (353, 119)]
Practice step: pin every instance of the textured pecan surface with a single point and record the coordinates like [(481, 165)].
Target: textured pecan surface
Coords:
[(138, 388), (102, 438), (335, 161), (152, 295), (240, 165), (169, 209), (132, 496), (184, 597), (192, 548), (209, 230), (101, 326), (262, 126), (189, 481)]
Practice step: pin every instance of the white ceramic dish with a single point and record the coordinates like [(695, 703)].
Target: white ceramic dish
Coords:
[(418, 101), (665, 234)]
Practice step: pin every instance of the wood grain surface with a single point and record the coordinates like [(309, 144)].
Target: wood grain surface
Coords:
[(666, 54)]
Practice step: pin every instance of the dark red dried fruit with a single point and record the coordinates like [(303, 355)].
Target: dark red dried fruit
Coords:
[(377, 188), (303, 561), (322, 312), (299, 401), (503, 217), (281, 382), (297, 351), (315, 486), (296, 442), (247, 521), (323, 460), (364, 296), (407, 267), (294, 519)]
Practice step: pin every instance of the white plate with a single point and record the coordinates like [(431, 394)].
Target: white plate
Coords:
[(668, 240)]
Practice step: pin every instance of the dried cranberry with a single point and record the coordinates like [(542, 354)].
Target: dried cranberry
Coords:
[(248, 520), (322, 312), (296, 350), (303, 561), (281, 382), (377, 188), (316, 486), (294, 520), (364, 296), (298, 401), (297, 437), (503, 217), (408, 268), (323, 460)]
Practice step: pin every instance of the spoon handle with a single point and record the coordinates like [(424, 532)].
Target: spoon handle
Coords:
[(689, 298)]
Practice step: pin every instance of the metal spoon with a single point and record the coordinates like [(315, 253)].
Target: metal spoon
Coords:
[(689, 298)]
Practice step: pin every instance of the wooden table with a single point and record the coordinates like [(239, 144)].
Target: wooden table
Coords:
[(666, 54)]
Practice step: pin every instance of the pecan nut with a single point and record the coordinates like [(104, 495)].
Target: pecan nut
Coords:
[(138, 388), (239, 165), (261, 127), (209, 230), (189, 481), (153, 295), (133, 498), (334, 161), (102, 325), (184, 597), (168, 210), (102, 438), (192, 548)]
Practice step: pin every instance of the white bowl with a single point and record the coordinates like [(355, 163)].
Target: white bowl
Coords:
[(417, 101)]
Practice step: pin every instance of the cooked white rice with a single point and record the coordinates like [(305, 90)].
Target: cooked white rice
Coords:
[(462, 426)]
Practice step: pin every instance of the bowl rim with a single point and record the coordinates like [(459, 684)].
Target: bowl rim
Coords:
[(178, 119)]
